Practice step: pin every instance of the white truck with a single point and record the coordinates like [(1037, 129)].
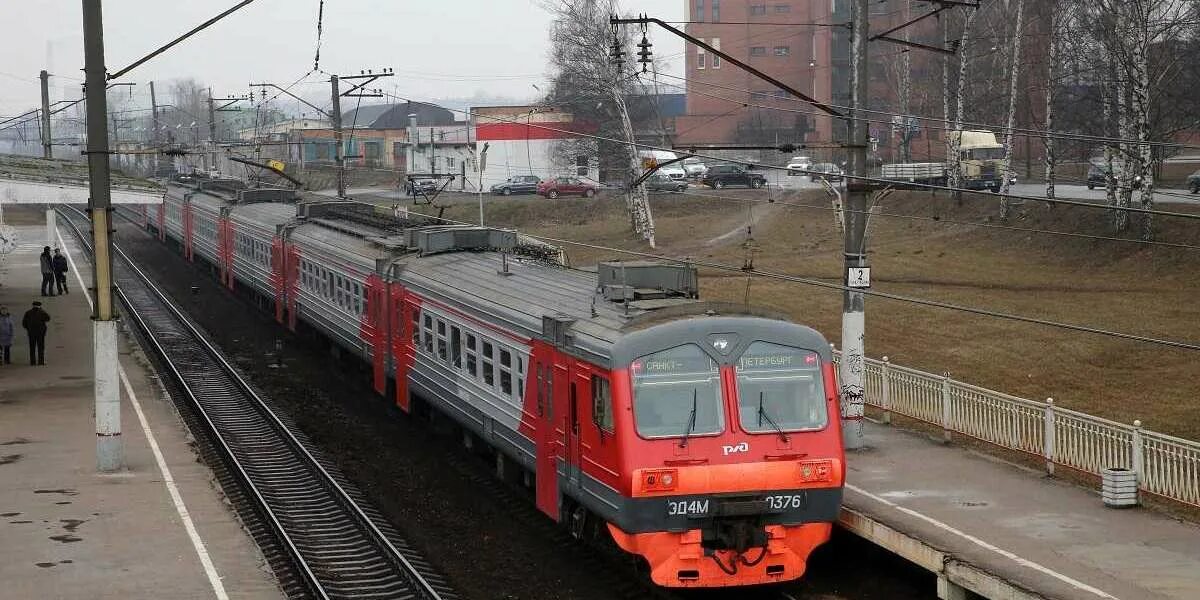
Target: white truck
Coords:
[(980, 160), (652, 157)]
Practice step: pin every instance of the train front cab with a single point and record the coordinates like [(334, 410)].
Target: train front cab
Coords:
[(732, 463)]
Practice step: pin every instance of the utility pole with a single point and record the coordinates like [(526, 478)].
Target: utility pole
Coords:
[(212, 134), (109, 454), (855, 250), (47, 151), (154, 130), (335, 116)]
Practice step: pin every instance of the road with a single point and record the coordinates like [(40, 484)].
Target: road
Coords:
[(1080, 192)]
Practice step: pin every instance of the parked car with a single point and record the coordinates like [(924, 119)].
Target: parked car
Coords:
[(720, 176), (1193, 182), (1098, 176), (564, 186), (674, 170), (521, 184), (797, 164), (423, 185), (694, 167), (826, 171), (661, 183)]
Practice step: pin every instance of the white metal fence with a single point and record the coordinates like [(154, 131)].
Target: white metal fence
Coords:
[(1167, 466)]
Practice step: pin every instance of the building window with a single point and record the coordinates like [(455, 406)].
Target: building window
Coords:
[(698, 13), (699, 58), (783, 8), (716, 6), (716, 61), (758, 10), (581, 165), (783, 50), (758, 50), (759, 96)]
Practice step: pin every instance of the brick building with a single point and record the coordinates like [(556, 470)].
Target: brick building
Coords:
[(771, 36)]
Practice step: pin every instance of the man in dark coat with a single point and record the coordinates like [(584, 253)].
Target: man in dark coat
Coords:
[(34, 322), (60, 271), (47, 272)]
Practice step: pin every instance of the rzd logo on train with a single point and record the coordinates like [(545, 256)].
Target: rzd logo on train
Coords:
[(742, 447)]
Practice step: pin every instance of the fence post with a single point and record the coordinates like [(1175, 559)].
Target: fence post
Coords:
[(1048, 437), (886, 392), (946, 412), (1137, 465)]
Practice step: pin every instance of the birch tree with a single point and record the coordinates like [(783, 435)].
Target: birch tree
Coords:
[(1014, 77), (1052, 59), (586, 79)]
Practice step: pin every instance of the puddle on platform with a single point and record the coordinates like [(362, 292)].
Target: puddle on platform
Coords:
[(10, 458), (16, 514), (45, 565), (66, 538), (63, 502), (18, 522), (15, 442), (73, 377)]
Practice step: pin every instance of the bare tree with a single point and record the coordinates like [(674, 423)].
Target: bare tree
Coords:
[(1014, 76), (586, 80), (1052, 59)]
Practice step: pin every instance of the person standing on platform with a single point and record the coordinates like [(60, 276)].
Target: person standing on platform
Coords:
[(47, 272), (60, 271), (34, 322), (6, 336)]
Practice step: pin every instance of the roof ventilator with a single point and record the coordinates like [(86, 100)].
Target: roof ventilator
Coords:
[(647, 284)]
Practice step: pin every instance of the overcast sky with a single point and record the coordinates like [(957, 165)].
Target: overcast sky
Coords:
[(438, 48)]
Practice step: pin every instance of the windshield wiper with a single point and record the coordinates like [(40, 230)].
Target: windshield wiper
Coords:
[(691, 422), (762, 414)]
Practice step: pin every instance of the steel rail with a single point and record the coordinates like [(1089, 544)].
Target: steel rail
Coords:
[(320, 562)]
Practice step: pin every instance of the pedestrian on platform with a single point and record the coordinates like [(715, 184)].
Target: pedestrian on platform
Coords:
[(6, 336), (34, 322), (60, 271), (47, 272)]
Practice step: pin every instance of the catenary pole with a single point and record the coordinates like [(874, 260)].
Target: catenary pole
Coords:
[(154, 129), (109, 454), (855, 250), (212, 134), (335, 115), (47, 145)]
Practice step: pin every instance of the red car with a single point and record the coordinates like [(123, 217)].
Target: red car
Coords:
[(562, 186)]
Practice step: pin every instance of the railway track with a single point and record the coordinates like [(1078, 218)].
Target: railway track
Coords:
[(328, 546)]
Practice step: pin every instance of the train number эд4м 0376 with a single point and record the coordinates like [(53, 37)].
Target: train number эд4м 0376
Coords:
[(688, 508)]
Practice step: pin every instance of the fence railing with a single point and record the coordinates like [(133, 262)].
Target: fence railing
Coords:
[(1166, 466)]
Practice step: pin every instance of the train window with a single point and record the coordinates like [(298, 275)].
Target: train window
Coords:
[(602, 410), (441, 339), (428, 334), (456, 347), (416, 327), (489, 377), (780, 389), (520, 378), (506, 372), (471, 370), (677, 392)]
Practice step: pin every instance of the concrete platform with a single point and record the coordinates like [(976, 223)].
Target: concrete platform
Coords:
[(158, 529), (1009, 532)]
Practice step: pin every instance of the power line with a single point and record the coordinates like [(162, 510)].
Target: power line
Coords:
[(885, 295)]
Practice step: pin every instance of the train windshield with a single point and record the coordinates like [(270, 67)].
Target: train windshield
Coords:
[(780, 389), (677, 393)]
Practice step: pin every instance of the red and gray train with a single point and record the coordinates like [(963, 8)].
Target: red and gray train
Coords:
[(699, 436)]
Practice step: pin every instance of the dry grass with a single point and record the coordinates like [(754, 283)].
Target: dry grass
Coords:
[(1124, 287)]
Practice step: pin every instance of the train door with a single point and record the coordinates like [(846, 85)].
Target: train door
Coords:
[(579, 399), (546, 431)]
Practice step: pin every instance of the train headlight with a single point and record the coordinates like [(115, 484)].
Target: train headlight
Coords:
[(659, 480)]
